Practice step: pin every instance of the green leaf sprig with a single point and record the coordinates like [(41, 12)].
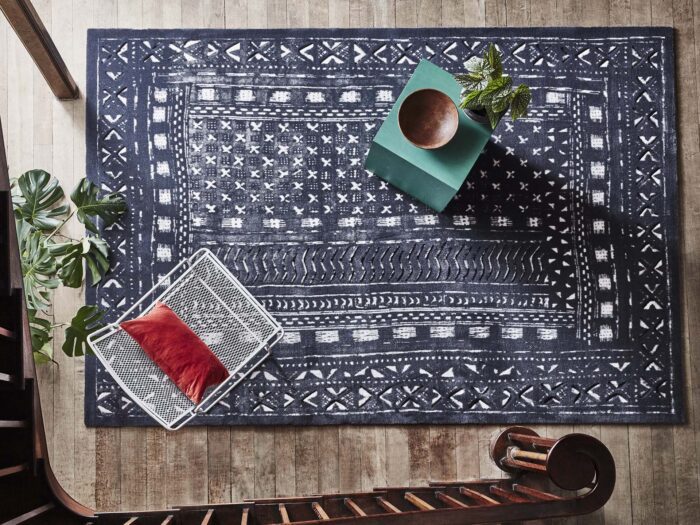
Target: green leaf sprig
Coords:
[(49, 258), (485, 88)]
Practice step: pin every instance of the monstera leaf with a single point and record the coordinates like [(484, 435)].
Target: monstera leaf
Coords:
[(40, 331), (35, 198), (85, 322), (89, 205), (93, 250), (38, 267)]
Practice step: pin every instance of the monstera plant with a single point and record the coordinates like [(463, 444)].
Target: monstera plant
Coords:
[(50, 258)]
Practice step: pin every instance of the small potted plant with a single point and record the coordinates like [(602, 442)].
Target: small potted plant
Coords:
[(487, 93)]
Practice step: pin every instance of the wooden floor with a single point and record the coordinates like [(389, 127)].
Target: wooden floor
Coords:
[(126, 468)]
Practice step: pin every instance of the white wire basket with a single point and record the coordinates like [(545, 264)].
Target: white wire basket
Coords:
[(206, 296)]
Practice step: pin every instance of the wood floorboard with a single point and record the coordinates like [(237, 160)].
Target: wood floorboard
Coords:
[(657, 469)]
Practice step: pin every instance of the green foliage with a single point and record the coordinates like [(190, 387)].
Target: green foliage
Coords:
[(39, 267), (49, 258), (40, 331), (85, 322), (93, 251), (36, 199), (89, 205), (487, 90)]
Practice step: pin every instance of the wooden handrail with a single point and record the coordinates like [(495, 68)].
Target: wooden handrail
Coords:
[(31, 31)]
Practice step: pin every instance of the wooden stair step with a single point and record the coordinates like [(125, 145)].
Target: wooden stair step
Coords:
[(244, 516), (417, 501), (284, 515), (168, 520), (318, 510), (207, 517), (6, 378), (6, 333), (512, 497), (478, 496), (30, 515), (387, 506), (9, 471), (13, 423), (450, 501), (131, 521), (539, 495), (354, 507)]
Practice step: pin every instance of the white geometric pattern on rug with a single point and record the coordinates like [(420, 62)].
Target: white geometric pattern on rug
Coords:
[(544, 293)]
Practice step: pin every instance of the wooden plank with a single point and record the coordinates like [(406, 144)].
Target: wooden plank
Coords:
[(329, 459), (338, 13), (219, 464), (306, 461), (243, 463), (31, 31), (264, 462), (84, 438), (68, 171), (535, 493), (383, 13), (450, 501), (354, 507), (257, 13), (474, 13), (620, 12), (284, 515), (478, 496), (406, 13), (133, 474), (452, 13), (419, 455), (35, 513), (387, 506), (443, 459), (360, 13), (417, 502), (187, 466), (618, 509), (207, 517), (318, 13), (285, 477), (107, 457), (236, 13), (467, 452), (373, 446), (298, 13), (397, 464), (350, 459), (429, 13), (686, 438), (518, 13), (319, 511), (277, 13), (156, 468), (641, 484)]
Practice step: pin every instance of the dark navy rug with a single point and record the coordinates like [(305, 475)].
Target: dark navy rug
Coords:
[(546, 293)]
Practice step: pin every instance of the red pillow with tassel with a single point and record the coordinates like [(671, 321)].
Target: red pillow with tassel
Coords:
[(177, 350)]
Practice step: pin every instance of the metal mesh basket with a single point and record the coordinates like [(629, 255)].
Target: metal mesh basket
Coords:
[(218, 309)]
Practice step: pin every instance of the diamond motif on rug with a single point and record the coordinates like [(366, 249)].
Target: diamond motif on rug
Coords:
[(545, 293)]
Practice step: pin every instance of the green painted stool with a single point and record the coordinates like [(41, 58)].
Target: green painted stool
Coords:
[(431, 176)]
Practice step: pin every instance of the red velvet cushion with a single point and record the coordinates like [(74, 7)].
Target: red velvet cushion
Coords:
[(177, 350)]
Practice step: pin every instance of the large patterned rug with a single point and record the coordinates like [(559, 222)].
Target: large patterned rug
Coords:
[(547, 292)]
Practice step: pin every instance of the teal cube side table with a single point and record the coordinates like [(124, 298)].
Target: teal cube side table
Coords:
[(431, 176)]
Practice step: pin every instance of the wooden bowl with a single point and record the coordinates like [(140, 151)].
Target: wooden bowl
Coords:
[(428, 118)]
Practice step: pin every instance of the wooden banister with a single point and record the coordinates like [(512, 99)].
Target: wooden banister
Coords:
[(31, 31)]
